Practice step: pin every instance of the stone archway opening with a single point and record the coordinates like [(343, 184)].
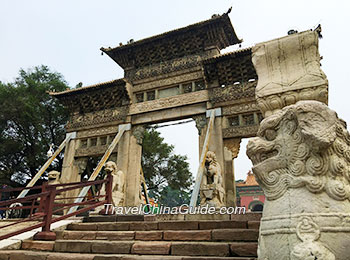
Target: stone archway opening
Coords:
[(183, 136)]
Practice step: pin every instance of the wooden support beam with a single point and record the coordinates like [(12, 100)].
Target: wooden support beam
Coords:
[(83, 192), (199, 176), (69, 136)]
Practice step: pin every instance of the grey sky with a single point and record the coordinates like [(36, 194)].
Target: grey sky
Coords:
[(66, 35)]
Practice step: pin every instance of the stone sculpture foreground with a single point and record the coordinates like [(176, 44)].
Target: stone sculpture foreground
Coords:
[(212, 191), (301, 159)]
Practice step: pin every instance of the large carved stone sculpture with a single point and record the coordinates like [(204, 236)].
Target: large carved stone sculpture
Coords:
[(289, 70), (118, 186), (301, 159), (212, 191)]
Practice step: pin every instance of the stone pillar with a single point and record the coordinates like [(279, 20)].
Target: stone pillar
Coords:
[(231, 152), (215, 144), (129, 162), (300, 156)]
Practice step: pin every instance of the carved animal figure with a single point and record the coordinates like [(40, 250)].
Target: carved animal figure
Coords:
[(118, 186), (13, 211), (212, 173), (54, 177), (302, 145), (212, 191)]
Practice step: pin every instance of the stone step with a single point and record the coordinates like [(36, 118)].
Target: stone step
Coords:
[(184, 248), (163, 225), (33, 255), (167, 235), (251, 216)]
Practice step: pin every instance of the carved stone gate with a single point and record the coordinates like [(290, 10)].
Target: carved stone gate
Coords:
[(176, 75)]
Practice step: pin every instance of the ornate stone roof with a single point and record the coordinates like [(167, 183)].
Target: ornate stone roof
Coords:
[(230, 68), (110, 94), (196, 38)]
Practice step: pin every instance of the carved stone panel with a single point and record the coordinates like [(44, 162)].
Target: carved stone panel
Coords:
[(175, 101), (167, 81), (108, 130), (240, 131), (117, 115)]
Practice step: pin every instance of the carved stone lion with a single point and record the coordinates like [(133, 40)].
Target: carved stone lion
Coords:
[(118, 186), (301, 159), (303, 145), (212, 191)]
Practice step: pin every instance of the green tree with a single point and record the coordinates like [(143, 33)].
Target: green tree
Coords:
[(162, 168), (30, 120), (172, 198)]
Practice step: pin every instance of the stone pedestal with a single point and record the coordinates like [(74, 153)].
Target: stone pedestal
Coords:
[(212, 194)]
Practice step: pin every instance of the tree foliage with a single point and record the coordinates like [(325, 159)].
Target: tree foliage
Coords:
[(162, 168), (30, 120)]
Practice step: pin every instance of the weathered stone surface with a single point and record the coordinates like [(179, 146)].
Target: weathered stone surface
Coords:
[(115, 235), (200, 249), (111, 247), (108, 257), (151, 248), (38, 245), (222, 224), (178, 225), (130, 218), (247, 216), (199, 217), (107, 218), (253, 224), (289, 70), (61, 256), (27, 255), (198, 235), (72, 246), (82, 226), (244, 249), (235, 234), (144, 226), (153, 257), (149, 235), (75, 235), (212, 191), (121, 226), (301, 160)]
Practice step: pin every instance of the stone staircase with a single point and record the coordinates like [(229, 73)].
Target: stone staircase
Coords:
[(148, 237)]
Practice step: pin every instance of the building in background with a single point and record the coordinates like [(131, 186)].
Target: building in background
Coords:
[(249, 194)]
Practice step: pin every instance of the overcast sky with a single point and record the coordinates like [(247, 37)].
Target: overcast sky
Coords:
[(66, 35)]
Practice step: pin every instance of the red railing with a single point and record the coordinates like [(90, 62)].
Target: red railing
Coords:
[(45, 206)]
